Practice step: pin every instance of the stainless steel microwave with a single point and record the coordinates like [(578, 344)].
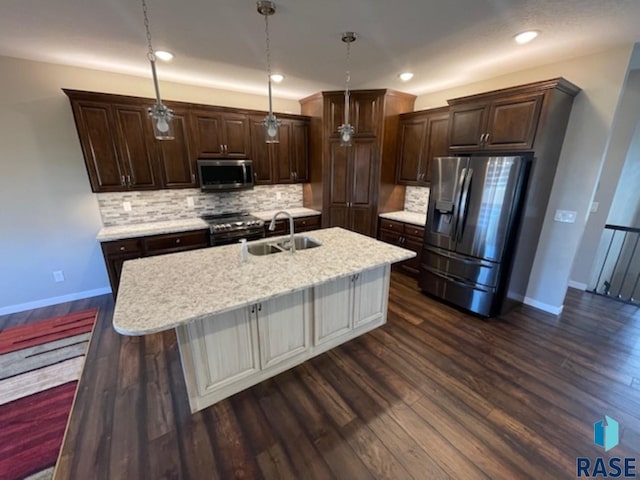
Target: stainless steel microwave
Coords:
[(219, 175)]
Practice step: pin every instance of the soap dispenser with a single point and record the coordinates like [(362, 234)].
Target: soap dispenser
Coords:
[(244, 250)]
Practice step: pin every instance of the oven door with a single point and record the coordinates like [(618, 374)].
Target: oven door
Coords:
[(220, 175), (226, 238)]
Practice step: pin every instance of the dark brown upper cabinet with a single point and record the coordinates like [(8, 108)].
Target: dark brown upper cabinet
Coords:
[(286, 161), (115, 141), (219, 134), (422, 136), (176, 160), (365, 113), (507, 120), (121, 154)]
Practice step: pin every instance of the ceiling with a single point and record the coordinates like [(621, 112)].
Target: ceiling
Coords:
[(221, 43)]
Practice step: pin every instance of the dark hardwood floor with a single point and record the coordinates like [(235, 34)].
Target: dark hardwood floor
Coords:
[(434, 393)]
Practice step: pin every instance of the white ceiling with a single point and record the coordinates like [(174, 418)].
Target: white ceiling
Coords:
[(220, 43)]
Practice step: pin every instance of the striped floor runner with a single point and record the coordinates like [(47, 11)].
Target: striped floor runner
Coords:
[(40, 364)]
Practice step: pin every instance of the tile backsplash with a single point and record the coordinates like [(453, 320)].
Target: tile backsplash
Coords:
[(159, 205), (416, 199)]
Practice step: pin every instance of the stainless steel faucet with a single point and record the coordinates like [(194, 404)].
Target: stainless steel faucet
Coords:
[(272, 227)]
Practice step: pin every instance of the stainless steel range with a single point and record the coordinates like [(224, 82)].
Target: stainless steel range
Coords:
[(229, 228)]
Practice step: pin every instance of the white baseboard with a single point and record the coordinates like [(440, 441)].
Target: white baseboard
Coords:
[(578, 285), (543, 306), (53, 300)]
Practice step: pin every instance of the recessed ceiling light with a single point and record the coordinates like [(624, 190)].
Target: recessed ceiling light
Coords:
[(277, 77), (526, 37), (406, 76), (164, 55)]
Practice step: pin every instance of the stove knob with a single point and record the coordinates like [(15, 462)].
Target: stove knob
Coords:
[(228, 225)]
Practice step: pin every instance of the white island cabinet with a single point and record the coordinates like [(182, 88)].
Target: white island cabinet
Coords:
[(241, 323)]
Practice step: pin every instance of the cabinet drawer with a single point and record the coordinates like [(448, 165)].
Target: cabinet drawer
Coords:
[(131, 245), (391, 225), (307, 223), (414, 231), (174, 242)]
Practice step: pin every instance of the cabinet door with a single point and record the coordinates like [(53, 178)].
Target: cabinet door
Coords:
[(97, 132), (281, 155), (410, 147), (467, 126), (366, 113), (513, 122), (207, 134), (363, 186), (300, 150), (224, 349), (394, 238), (115, 253), (177, 163), (235, 135), (333, 309), (334, 108), (436, 143), (283, 328), (412, 266), (260, 153), (339, 185), (370, 296), (136, 149)]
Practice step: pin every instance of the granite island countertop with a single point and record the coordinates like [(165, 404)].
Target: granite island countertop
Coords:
[(163, 292)]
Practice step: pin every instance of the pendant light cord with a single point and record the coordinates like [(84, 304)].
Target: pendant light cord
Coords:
[(151, 54), (348, 80), (268, 55)]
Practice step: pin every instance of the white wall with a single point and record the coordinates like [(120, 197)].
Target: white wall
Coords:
[(601, 77), (610, 180), (48, 216)]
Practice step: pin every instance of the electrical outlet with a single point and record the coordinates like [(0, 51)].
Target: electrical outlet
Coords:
[(565, 216), (278, 195), (594, 207), (190, 202), (58, 276), (126, 206)]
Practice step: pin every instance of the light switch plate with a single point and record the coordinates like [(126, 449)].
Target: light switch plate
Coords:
[(565, 216), (58, 276), (594, 207), (126, 206), (190, 202)]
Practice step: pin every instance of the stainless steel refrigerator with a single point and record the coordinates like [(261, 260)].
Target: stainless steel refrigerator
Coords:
[(474, 213)]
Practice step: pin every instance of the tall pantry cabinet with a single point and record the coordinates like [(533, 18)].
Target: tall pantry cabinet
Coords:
[(352, 185)]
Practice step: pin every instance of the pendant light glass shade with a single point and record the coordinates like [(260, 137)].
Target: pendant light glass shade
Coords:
[(160, 115), (271, 123), (347, 130)]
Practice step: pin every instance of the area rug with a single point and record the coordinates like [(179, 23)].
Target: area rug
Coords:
[(40, 364)]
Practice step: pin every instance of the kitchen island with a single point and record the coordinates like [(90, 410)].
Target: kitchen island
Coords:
[(240, 323)]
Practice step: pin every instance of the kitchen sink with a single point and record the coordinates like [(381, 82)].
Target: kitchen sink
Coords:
[(264, 248), (302, 243)]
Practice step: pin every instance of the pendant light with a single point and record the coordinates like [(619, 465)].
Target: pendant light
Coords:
[(346, 129), (160, 115), (271, 123)]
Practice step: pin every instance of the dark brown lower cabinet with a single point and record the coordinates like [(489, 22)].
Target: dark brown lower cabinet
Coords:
[(117, 251), (300, 224), (403, 235)]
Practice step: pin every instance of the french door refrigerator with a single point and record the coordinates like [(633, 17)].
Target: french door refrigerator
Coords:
[(475, 204)]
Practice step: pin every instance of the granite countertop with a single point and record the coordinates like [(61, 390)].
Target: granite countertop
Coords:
[(120, 232), (163, 292), (407, 217), (267, 215)]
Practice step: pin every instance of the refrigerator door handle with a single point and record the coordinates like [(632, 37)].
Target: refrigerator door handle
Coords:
[(464, 201), (458, 203)]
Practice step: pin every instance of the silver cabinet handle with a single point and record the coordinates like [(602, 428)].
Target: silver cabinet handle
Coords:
[(122, 248), (129, 180), (123, 180), (259, 307), (253, 308), (193, 178), (221, 148), (255, 174), (486, 137), (177, 240)]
